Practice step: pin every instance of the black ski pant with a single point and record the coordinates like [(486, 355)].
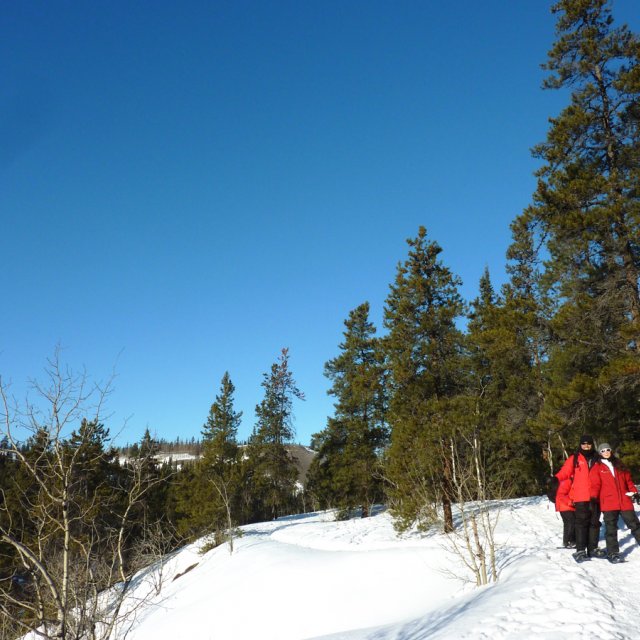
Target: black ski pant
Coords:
[(587, 526), (568, 527), (611, 527)]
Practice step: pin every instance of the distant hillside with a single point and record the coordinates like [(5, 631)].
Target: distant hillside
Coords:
[(179, 454), (303, 456)]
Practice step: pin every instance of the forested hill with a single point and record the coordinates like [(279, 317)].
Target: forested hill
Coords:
[(179, 453)]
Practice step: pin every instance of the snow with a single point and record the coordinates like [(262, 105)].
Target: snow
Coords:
[(309, 576)]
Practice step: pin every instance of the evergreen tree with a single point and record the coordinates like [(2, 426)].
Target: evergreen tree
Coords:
[(93, 469), (528, 309), (326, 482), (346, 470), (154, 480), (220, 432), (502, 392), (13, 485), (209, 498), (423, 350), (148, 448), (272, 468), (585, 210)]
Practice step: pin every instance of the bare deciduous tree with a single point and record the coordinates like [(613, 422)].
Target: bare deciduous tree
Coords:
[(222, 485), (473, 539), (64, 528)]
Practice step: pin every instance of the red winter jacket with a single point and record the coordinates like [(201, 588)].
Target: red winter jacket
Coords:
[(611, 490), (563, 502), (577, 472)]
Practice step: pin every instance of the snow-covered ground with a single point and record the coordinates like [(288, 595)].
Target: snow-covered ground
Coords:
[(310, 577)]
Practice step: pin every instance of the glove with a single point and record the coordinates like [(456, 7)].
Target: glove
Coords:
[(636, 498), (595, 504)]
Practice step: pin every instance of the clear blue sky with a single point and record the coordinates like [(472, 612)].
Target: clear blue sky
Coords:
[(187, 187)]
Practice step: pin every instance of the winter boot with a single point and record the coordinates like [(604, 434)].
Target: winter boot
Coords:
[(570, 545), (598, 553), (615, 558), (581, 556)]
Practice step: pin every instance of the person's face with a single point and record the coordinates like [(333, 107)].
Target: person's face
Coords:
[(586, 446), (605, 453)]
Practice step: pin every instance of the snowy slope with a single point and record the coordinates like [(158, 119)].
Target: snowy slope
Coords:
[(309, 577)]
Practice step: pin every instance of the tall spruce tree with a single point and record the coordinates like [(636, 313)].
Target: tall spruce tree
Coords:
[(219, 434), (221, 467), (527, 311), (272, 468), (503, 393), (208, 496), (423, 350), (586, 210), (346, 472)]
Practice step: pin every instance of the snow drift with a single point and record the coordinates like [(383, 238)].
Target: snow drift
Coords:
[(308, 576)]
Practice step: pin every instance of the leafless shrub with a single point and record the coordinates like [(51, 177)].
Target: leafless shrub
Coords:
[(473, 539)]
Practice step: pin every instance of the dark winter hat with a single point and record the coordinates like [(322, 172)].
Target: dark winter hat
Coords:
[(586, 440), (605, 445)]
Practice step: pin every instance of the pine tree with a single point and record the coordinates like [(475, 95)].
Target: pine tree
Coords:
[(209, 498), (326, 484), (148, 448), (423, 352), (346, 472), (528, 309), (273, 471), (154, 479), (220, 432), (93, 465), (502, 391), (585, 210)]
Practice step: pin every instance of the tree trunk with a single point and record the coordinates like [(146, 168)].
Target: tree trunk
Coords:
[(447, 491)]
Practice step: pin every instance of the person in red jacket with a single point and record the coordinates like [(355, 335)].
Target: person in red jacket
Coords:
[(558, 493), (567, 511), (576, 469), (611, 484)]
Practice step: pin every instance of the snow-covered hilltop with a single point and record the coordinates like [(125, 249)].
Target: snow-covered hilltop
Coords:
[(308, 576)]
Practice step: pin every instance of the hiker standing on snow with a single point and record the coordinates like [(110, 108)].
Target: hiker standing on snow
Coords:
[(576, 469), (559, 494), (611, 484)]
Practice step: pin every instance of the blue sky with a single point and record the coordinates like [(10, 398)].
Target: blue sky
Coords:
[(186, 188)]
